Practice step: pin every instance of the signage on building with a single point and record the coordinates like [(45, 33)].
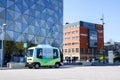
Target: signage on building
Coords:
[(82, 34)]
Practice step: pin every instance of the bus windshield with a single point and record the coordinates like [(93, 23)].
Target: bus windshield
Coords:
[(30, 53)]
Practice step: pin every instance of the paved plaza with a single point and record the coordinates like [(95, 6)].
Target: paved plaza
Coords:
[(63, 73)]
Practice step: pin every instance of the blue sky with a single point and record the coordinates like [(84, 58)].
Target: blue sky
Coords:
[(91, 11)]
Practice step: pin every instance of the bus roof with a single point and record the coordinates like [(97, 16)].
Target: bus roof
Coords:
[(42, 46)]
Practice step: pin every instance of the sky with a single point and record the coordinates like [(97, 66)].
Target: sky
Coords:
[(91, 11)]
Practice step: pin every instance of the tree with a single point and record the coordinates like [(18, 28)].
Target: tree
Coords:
[(12, 47)]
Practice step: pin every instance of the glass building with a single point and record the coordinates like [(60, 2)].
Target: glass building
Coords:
[(36, 21)]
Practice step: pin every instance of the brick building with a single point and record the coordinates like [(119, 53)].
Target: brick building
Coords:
[(82, 40)]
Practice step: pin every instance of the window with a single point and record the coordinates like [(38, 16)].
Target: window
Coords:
[(69, 50), (55, 53), (86, 50), (76, 31), (75, 43), (67, 44), (81, 50), (77, 50), (30, 53), (93, 38), (73, 50), (73, 38), (90, 50), (68, 32), (65, 50), (39, 53)]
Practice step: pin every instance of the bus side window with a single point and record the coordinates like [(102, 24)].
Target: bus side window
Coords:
[(39, 53), (55, 53)]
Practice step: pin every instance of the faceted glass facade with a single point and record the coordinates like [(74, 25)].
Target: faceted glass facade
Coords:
[(38, 21)]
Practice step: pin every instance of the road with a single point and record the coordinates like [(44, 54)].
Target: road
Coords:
[(63, 73)]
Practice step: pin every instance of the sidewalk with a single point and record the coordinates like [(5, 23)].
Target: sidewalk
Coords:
[(94, 64), (3, 68), (106, 64)]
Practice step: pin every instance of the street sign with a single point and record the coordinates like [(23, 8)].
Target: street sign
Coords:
[(25, 45)]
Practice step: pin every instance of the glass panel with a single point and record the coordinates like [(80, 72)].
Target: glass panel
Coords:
[(10, 25), (10, 15), (18, 7), (24, 28), (39, 53), (3, 3), (18, 27), (93, 38), (11, 5), (17, 36), (55, 53), (30, 53)]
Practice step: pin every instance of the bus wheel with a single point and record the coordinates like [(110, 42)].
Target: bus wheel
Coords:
[(36, 65), (57, 65)]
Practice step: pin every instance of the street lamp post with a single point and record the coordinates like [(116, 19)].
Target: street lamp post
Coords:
[(2, 43), (102, 19)]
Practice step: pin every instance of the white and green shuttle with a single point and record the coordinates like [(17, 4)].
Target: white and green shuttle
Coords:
[(43, 55)]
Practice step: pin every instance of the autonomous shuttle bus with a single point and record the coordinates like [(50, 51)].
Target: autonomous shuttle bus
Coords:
[(43, 55)]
